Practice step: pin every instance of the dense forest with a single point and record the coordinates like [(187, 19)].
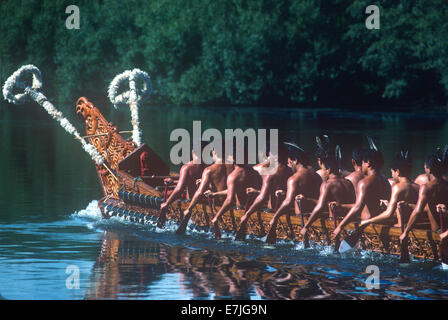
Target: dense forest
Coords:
[(236, 52)]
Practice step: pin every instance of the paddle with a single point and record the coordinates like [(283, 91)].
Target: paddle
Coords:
[(306, 239), (443, 242), (241, 232), (444, 253), (162, 215), (351, 240), (404, 250), (337, 240), (216, 231)]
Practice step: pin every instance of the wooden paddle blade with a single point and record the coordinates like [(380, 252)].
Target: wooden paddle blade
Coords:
[(306, 241), (183, 225), (161, 220), (216, 231), (444, 252), (271, 237), (206, 216), (350, 241), (337, 244), (260, 221), (241, 233), (404, 251)]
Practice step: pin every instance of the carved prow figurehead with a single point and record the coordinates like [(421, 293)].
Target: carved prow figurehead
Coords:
[(103, 135)]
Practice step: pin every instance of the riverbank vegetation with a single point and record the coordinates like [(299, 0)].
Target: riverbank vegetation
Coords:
[(236, 52)]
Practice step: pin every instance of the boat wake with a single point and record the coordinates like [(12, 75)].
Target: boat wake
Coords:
[(91, 212)]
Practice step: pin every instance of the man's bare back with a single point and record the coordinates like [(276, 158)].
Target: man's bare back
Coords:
[(270, 183), (214, 178), (337, 189), (304, 181), (241, 178)]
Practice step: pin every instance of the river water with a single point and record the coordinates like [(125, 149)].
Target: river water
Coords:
[(52, 233)]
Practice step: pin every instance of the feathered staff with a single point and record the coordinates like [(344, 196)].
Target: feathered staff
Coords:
[(372, 144), (339, 158), (133, 97), (323, 147), (21, 80)]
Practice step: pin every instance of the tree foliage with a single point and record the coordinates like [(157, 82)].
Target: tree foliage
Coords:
[(235, 52)]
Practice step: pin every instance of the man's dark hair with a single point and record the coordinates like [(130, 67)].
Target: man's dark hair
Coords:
[(437, 164), (357, 156), (332, 163), (297, 153), (402, 163), (375, 157)]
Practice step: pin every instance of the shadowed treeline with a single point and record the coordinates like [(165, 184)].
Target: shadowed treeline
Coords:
[(276, 53)]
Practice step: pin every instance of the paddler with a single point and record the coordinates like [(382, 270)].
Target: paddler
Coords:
[(431, 194), (424, 178), (242, 177), (271, 181), (214, 179), (357, 174), (323, 148), (370, 190), (403, 189), (334, 188), (188, 175), (304, 181)]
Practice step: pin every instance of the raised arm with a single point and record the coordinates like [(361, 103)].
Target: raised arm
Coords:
[(289, 198), (356, 209), (419, 208), (230, 197), (321, 203), (390, 210), (262, 196), (183, 175), (205, 179)]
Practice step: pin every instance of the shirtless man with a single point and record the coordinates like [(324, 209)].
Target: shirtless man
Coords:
[(242, 177), (370, 190), (431, 194), (334, 188), (304, 181), (323, 151), (270, 183), (424, 178), (214, 176), (357, 174), (403, 189), (323, 148), (189, 173)]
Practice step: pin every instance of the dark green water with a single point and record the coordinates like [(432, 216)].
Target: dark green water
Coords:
[(49, 219)]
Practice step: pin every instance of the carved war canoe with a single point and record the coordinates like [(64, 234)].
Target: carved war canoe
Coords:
[(127, 194)]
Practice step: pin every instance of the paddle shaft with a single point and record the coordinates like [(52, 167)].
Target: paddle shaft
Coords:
[(306, 239), (337, 240)]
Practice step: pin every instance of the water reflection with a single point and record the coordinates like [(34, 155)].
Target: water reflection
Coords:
[(129, 267), (132, 265)]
